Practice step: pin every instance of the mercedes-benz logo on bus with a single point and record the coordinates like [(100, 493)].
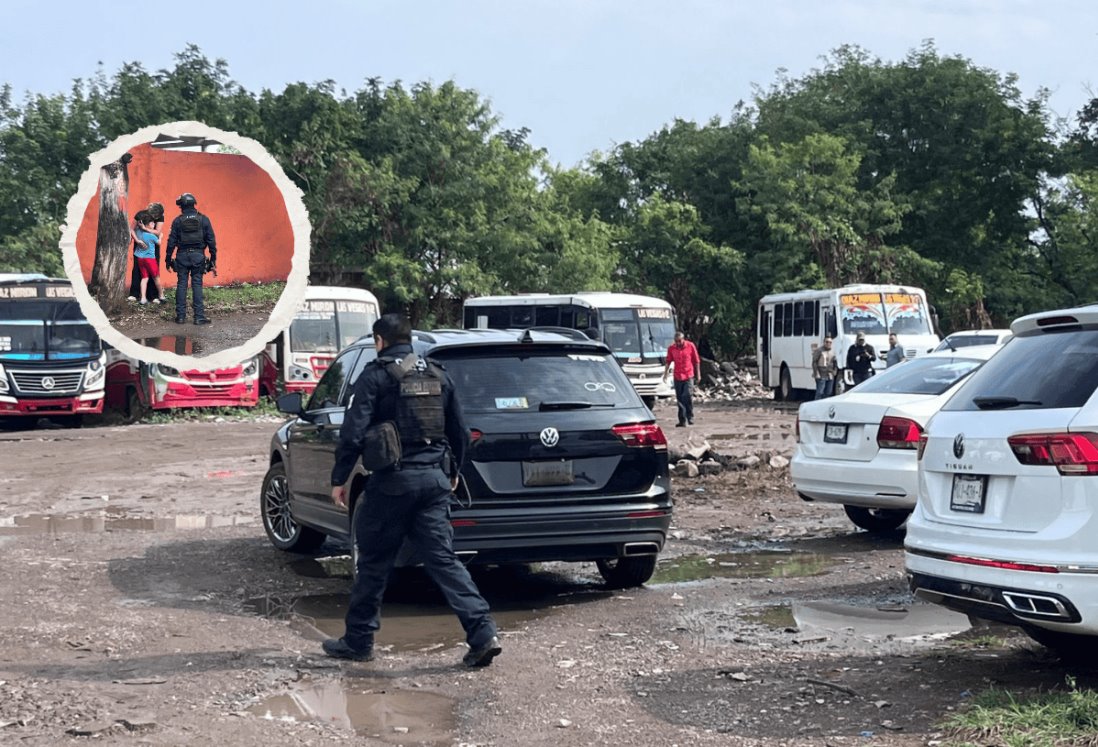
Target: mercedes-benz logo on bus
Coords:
[(831, 411), (550, 437), (48, 383), (959, 445)]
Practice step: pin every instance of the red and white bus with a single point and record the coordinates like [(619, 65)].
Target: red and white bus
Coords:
[(135, 386), (51, 360), (330, 320)]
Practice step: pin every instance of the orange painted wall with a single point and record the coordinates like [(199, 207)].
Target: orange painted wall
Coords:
[(255, 241)]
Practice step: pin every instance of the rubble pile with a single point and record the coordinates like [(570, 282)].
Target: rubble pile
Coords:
[(697, 457), (730, 381)]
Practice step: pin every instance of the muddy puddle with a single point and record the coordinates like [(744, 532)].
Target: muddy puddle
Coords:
[(758, 564), (98, 523), (414, 616), (911, 622), (178, 344), (369, 709)]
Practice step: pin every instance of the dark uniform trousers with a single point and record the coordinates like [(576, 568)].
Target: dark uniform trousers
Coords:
[(412, 503), (189, 263)]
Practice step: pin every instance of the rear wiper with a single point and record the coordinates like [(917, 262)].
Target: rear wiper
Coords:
[(1001, 403), (572, 405)]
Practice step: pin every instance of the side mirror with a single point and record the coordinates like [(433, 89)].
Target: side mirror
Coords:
[(291, 404)]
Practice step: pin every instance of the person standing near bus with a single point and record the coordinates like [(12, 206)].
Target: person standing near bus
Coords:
[(859, 359), (825, 367), (895, 353), (684, 356)]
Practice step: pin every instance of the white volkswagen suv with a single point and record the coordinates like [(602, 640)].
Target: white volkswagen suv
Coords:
[(1006, 524)]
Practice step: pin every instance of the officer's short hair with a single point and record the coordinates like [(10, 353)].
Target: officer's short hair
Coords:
[(393, 328)]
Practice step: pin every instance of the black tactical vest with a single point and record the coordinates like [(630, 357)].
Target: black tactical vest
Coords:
[(419, 415), (191, 235)]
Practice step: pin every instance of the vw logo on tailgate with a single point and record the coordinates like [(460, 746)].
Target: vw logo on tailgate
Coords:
[(550, 437), (959, 445)]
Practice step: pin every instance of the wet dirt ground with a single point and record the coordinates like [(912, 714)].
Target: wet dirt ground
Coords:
[(140, 603)]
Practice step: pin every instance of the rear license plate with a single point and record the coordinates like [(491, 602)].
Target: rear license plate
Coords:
[(535, 474), (835, 433), (969, 492)]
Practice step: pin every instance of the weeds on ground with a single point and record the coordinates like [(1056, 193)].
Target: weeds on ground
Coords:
[(265, 409), (219, 299), (1064, 717)]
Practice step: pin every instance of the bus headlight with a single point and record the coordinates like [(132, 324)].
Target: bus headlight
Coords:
[(4, 386), (251, 369), (165, 370), (94, 378), (300, 373)]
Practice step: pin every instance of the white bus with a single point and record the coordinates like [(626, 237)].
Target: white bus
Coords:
[(791, 325), (330, 320), (638, 329)]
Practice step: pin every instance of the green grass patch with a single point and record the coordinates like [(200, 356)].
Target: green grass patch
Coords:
[(226, 298), (1063, 717)]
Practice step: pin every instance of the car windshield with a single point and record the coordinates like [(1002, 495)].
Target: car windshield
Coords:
[(356, 319), (1035, 371), (920, 376), (964, 341), (657, 334), (540, 380), (621, 332)]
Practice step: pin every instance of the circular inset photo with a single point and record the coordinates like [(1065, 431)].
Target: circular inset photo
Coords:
[(187, 246)]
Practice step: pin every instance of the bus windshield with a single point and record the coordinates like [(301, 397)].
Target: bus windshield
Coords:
[(638, 335), (35, 340), (879, 314), (906, 314), (329, 326)]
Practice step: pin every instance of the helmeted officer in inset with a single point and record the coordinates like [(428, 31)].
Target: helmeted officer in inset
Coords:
[(191, 234), (409, 499)]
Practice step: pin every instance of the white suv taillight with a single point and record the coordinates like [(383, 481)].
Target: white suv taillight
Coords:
[(1070, 453), (898, 433), (641, 434)]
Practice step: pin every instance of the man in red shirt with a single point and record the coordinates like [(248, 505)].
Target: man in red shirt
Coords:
[(684, 356)]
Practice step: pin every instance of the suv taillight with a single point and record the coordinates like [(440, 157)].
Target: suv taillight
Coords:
[(898, 433), (1070, 453), (641, 434), (922, 445)]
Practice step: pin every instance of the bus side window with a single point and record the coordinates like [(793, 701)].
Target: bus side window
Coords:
[(832, 324), (499, 317), (798, 318), (779, 315), (787, 322), (470, 318), (522, 316), (583, 319), (547, 316), (568, 318), (814, 326)]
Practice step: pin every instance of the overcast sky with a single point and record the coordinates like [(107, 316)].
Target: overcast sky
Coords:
[(582, 75)]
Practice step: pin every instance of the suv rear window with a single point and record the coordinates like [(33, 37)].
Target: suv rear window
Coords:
[(514, 382), (921, 376), (1046, 370)]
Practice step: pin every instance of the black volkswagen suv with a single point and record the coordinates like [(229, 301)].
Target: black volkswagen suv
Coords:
[(566, 462)]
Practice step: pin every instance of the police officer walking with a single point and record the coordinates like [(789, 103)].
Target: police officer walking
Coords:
[(411, 498), (192, 234)]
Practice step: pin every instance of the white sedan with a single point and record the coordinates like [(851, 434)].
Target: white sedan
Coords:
[(860, 448)]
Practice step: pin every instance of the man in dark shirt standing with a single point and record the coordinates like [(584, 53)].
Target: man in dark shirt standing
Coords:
[(410, 499), (859, 359), (192, 234)]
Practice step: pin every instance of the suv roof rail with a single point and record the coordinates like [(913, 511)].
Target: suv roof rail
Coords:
[(575, 334)]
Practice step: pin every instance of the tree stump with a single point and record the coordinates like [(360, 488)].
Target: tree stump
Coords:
[(112, 238)]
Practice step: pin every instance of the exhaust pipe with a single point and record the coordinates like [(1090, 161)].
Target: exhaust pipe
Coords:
[(640, 548), (1036, 604)]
